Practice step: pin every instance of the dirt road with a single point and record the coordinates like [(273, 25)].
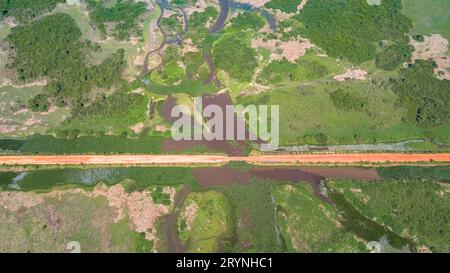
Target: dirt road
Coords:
[(358, 159)]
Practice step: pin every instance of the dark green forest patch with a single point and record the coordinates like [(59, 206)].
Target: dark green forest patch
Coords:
[(350, 29), (123, 17), (425, 97), (26, 10), (289, 6), (393, 56), (234, 55), (51, 49)]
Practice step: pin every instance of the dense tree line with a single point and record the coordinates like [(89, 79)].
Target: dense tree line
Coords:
[(234, 55), (51, 48), (26, 10), (426, 98), (123, 16), (350, 29), (393, 56), (117, 104), (247, 20), (197, 24), (173, 24)]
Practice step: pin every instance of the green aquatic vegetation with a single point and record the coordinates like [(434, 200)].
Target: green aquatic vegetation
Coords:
[(134, 178)]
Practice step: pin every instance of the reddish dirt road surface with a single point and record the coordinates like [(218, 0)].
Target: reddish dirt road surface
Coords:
[(304, 159)]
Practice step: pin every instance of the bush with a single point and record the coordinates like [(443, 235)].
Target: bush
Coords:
[(289, 6), (347, 101), (349, 29), (425, 97), (234, 55), (26, 10), (51, 48), (123, 16), (393, 56), (247, 20)]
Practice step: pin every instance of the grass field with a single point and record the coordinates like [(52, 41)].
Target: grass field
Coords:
[(75, 217), (309, 110), (308, 224), (254, 221), (20, 121), (429, 17), (204, 222)]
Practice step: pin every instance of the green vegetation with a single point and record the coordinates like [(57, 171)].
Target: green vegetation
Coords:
[(99, 144), (428, 17), (414, 209), (112, 114), (308, 224), (234, 55), (424, 96), (204, 222), (289, 6), (173, 24), (197, 24), (136, 178), (25, 10), (307, 68), (183, 2), (188, 86), (51, 49), (393, 56), (123, 17), (247, 21), (254, 220), (349, 29), (409, 173), (348, 101), (51, 225)]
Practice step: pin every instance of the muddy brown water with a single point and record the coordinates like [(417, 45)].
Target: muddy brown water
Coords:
[(232, 148), (223, 176), (170, 226), (213, 177)]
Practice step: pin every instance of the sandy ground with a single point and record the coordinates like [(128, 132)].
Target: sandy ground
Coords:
[(221, 159), (200, 6), (351, 74), (190, 214), (435, 47), (137, 128), (13, 201), (290, 50)]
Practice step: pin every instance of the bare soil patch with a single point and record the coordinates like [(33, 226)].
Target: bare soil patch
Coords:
[(435, 48), (280, 50), (351, 74)]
